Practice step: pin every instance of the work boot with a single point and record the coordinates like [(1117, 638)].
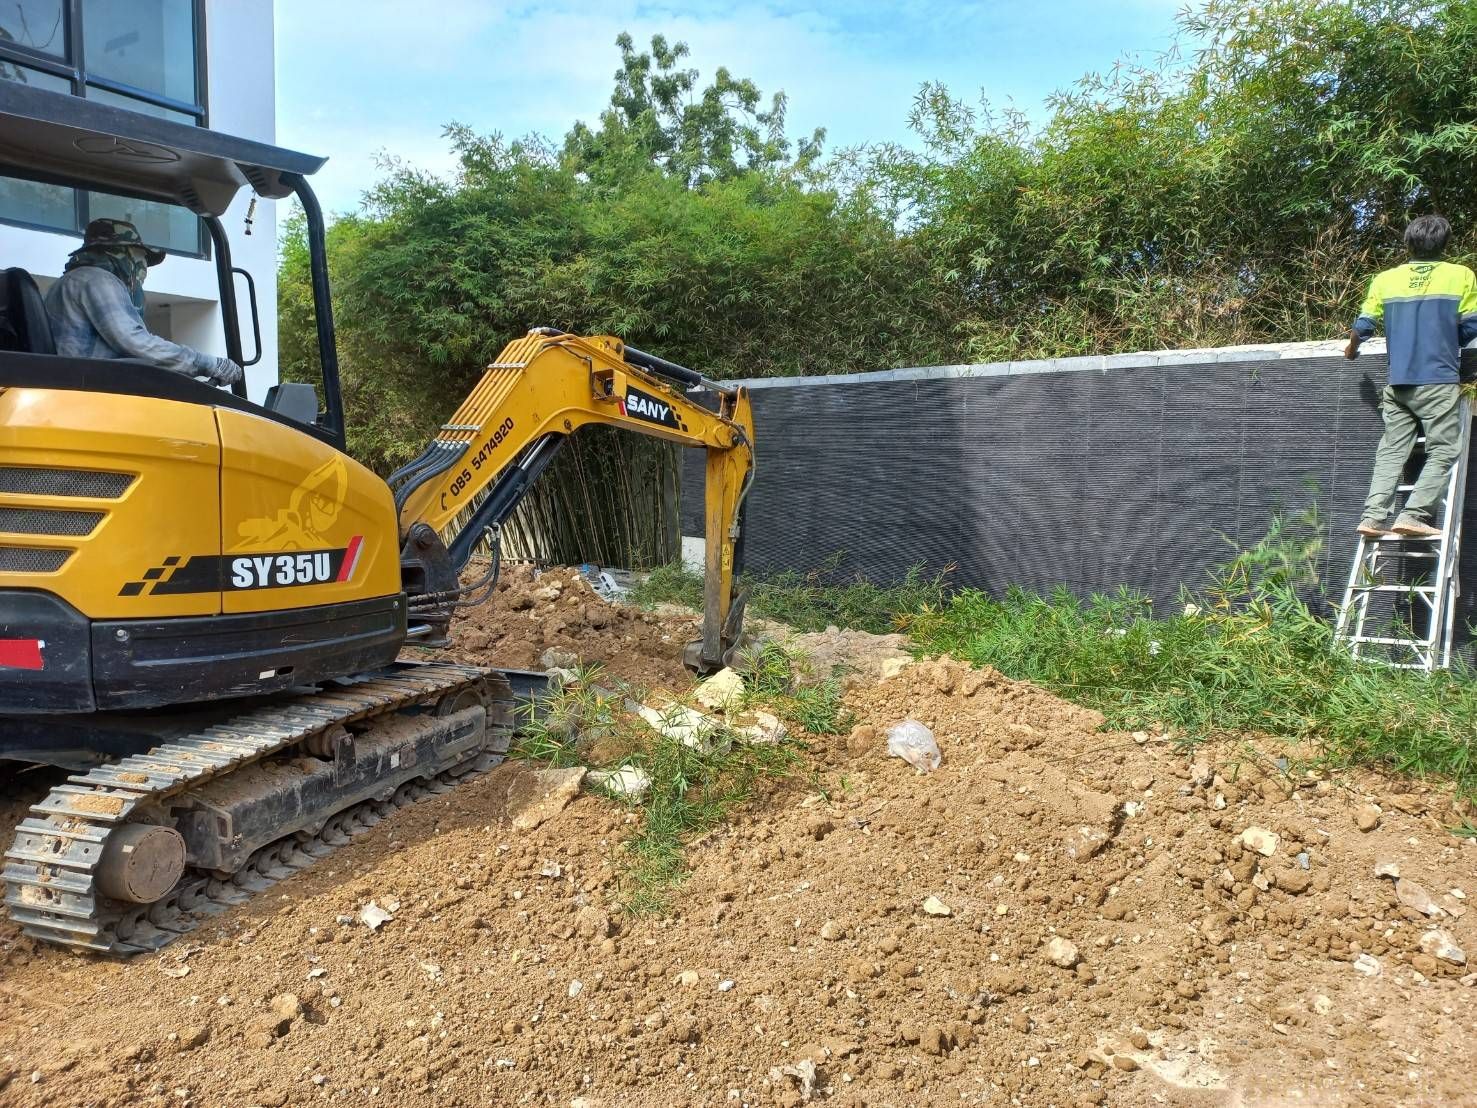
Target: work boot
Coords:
[(1372, 529), (1408, 527)]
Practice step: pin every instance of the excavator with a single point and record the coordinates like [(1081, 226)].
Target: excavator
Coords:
[(205, 601)]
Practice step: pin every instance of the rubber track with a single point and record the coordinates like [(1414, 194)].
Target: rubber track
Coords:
[(50, 874)]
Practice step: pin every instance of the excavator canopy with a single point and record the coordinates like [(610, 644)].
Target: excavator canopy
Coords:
[(64, 139)]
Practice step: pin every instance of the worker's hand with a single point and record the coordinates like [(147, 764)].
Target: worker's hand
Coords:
[(1351, 351), (226, 372)]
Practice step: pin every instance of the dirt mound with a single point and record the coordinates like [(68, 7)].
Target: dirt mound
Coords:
[(1057, 915), (532, 612)]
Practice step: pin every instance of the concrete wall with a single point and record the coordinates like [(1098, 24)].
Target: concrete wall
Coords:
[(181, 297), (1138, 470)]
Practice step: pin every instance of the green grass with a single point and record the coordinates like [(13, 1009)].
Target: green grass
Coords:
[(691, 792), (808, 601), (1246, 655)]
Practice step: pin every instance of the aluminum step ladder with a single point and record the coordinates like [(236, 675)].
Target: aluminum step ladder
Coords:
[(1399, 607)]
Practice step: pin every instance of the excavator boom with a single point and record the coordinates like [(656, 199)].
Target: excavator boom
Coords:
[(540, 390)]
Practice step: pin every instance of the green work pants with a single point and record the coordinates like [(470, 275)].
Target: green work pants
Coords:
[(1437, 409)]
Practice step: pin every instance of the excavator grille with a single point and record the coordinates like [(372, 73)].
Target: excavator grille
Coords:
[(31, 559), (38, 481), (48, 521)]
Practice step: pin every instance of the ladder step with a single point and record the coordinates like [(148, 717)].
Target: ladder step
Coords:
[(1377, 640), (1395, 588)]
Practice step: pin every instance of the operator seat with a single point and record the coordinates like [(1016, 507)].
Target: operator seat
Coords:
[(24, 326)]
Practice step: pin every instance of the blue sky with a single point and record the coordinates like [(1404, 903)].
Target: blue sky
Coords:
[(356, 77)]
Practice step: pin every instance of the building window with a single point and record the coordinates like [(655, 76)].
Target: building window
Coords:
[(144, 55)]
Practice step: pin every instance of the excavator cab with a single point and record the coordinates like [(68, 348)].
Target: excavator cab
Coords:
[(59, 139)]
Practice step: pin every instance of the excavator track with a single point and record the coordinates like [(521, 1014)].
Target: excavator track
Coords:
[(61, 852)]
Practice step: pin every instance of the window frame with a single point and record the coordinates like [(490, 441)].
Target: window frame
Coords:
[(71, 69)]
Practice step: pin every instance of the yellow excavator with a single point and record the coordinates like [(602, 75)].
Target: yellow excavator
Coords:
[(204, 600)]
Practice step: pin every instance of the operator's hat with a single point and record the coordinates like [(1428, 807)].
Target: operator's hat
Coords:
[(119, 232)]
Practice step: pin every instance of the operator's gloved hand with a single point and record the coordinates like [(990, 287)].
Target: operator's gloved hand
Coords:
[(226, 372)]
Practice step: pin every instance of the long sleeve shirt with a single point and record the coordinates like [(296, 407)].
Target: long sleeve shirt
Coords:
[(92, 317), (1429, 310)]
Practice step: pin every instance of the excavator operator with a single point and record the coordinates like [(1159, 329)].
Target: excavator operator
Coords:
[(95, 309)]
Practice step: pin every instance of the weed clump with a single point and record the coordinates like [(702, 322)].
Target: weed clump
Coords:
[(810, 601), (1244, 654)]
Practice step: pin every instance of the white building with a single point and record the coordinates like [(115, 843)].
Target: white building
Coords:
[(204, 61)]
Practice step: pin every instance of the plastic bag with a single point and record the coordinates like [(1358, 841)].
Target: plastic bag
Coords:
[(914, 744)]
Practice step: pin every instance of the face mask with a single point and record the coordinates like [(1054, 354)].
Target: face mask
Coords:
[(123, 262)]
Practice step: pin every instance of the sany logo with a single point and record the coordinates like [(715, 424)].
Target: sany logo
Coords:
[(640, 405)]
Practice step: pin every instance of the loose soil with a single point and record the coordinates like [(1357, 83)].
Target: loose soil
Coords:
[(1058, 915), (533, 612)]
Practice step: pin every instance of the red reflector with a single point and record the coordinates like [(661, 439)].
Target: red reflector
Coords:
[(21, 654)]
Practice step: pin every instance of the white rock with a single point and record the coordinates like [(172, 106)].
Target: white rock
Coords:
[(628, 782), (1261, 840), (554, 658), (1368, 965), (1322, 1005), (760, 728), (551, 869), (575, 988), (1442, 944), (725, 986), (685, 725), (722, 691), (374, 917), (1387, 869), (802, 1071), (1414, 895), (1219, 803), (1061, 952), (933, 906), (687, 977)]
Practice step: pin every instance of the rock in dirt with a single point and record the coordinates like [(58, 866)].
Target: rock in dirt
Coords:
[(374, 917), (1261, 840), (1386, 868), (1442, 944), (832, 932), (1414, 895), (1368, 965), (192, 1037), (554, 658), (591, 923), (1084, 842), (862, 739), (760, 728), (1367, 817), (628, 783), (803, 1073), (933, 906), (722, 691), (538, 795), (682, 724), (1061, 952)]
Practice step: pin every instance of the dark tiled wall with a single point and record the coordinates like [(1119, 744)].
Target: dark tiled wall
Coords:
[(1144, 476)]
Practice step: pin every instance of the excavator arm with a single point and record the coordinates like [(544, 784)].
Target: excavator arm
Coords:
[(541, 389)]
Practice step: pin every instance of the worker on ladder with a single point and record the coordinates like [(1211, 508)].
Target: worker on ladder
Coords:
[(1429, 309)]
